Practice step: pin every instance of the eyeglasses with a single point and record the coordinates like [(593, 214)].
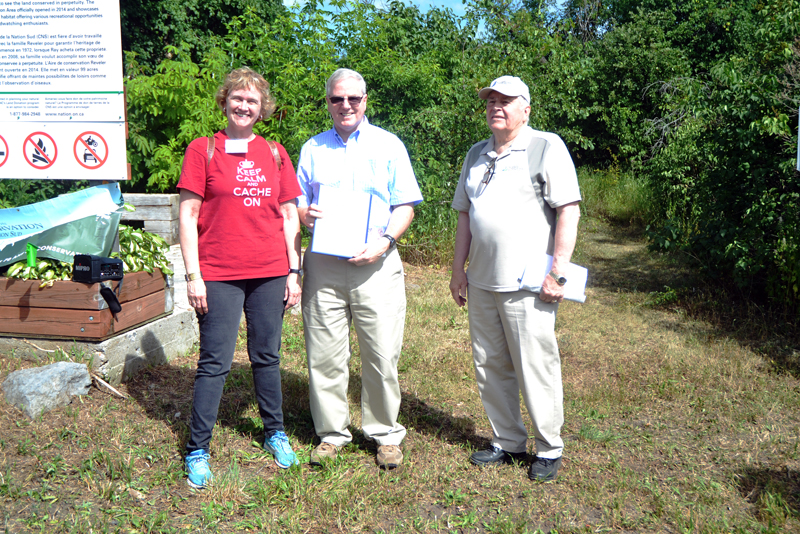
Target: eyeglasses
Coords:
[(352, 100), (487, 176)]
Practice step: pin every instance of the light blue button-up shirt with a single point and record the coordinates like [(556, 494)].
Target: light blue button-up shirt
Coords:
[(372, 160)]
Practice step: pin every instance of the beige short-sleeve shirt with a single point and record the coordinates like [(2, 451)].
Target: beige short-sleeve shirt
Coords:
[(512, 216)]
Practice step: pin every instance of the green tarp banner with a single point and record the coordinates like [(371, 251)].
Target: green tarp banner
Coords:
[(85, 222)]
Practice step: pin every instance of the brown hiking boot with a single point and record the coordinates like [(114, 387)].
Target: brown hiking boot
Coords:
[(324, 452), (389, 456)]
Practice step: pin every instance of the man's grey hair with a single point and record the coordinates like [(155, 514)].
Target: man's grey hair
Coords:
[(344, 74), (524, 103)]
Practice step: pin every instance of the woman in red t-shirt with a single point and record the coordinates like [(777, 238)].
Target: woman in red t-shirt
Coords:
[(240, 240)]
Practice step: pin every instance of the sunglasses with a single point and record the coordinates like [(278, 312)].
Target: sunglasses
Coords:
[(352, 100), (487, 176)]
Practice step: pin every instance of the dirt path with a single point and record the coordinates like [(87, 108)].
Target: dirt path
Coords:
[(618, 260)]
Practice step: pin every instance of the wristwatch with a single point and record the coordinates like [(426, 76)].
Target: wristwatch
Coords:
[(560, 280), (194, 276), (392, 241), (296, 271)]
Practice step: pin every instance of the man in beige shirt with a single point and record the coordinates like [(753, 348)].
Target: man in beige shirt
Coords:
[(517, 199)]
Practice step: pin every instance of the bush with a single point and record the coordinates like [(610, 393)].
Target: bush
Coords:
[(674, 106), (15, 193)]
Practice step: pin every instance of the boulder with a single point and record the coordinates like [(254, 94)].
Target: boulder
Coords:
[(38, 390)]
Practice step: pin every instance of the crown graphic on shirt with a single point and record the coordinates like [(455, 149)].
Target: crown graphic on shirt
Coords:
[(246, 164)]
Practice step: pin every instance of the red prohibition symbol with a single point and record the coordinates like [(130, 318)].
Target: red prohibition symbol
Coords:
[(39, 154), (93, 145), (3, 151)]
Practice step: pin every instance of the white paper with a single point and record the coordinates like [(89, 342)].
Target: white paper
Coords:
[(62, 100), (62, 62), (537, 269), (345, 226)]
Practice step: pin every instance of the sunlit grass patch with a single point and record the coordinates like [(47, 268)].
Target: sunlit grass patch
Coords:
[(618, 196)]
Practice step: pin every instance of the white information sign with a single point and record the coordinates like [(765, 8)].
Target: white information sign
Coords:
[(62, 106)]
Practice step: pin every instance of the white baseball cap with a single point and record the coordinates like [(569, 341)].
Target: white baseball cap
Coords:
[(509, 86)]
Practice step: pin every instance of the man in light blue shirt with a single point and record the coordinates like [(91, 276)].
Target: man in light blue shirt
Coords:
[(367, 289)]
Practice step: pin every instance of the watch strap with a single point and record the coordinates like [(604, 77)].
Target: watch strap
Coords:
[(194, 276), (392, 241), (560, 280)]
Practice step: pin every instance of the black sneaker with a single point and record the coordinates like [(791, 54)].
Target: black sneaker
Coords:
[(495, 456), (544, 469)]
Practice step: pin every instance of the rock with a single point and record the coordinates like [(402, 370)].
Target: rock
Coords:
[(38, 390), (136, 494)]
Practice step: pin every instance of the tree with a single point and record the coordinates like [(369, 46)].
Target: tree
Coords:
[(727, 175), (150, 26)]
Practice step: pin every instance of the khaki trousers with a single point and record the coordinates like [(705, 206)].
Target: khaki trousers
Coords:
[(514, 348), (373, 299)]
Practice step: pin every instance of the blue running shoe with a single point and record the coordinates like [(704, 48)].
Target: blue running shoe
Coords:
[(197, 469), (278, 445)]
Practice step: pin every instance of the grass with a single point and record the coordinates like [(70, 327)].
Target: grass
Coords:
[(678, 419), (614, 195)]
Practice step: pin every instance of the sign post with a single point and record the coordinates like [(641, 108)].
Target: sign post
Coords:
[(62, 105)]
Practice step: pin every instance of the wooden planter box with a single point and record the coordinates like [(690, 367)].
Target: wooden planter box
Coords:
[(72, 310), (158, 211)]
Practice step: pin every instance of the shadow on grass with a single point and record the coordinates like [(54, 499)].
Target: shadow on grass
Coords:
[(166, 390), (775, 493), (434, 422), (729, 314), (619, 262)]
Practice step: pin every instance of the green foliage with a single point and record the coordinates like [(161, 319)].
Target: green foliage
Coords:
[(296, 55), (149, 27), (615, 195), (46, 270), (165, 112), (176, 105), (138, 249), (15, 193), (730, 190), (422, 90), (630, 65), (142, 251)]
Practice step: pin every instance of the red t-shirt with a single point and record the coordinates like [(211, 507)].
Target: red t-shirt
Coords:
[(240, 229)]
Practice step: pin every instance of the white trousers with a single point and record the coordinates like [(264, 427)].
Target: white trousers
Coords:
[(514, 348), (373, 299)]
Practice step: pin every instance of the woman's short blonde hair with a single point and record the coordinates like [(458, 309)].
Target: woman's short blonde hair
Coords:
[(246, 78)]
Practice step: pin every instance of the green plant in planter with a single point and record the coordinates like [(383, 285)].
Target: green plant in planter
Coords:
[(139, 250)]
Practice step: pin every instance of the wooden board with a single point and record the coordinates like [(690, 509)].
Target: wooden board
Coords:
[(151, 207), (151, 199), (159, 212), (151, 213), (166, 229), (66, 294), (77, 324), (160, 227)]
